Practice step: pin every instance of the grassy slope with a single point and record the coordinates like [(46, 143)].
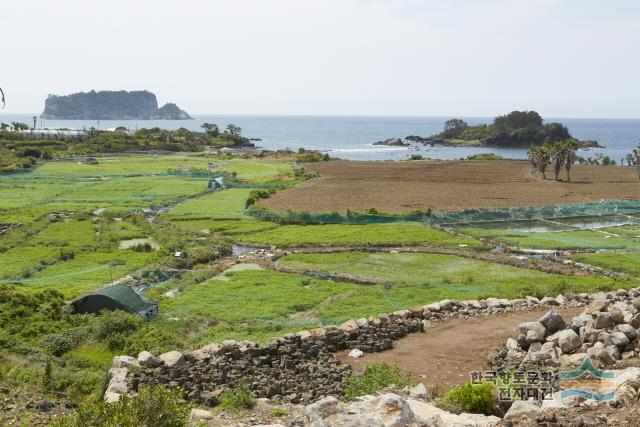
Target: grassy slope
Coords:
[(257, 305)]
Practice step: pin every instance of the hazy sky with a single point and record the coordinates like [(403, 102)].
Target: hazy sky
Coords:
[(569, 58)]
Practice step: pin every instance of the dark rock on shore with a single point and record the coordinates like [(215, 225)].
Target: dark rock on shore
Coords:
[(392, 142)]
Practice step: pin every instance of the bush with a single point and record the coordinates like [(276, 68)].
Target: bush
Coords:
[(237, 398), (474, 398), (110, 323), (153, 407), (485, 156), (376, 377)]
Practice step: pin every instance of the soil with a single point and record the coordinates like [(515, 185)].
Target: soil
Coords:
[(445, 355), (449, 186)]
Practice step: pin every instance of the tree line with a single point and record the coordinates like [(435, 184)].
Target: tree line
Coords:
[(562, 154)]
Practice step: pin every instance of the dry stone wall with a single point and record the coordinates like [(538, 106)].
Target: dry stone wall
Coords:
[(299, 368)]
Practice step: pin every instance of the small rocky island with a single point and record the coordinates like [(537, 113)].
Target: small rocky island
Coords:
[(518, 129), (110, 105)]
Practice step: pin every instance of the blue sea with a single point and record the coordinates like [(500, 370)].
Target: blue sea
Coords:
[(351, 137)]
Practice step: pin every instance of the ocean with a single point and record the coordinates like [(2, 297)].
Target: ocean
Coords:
[(351, 137)]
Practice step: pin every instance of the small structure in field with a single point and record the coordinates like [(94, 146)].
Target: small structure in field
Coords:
[(216, 183), (119, 297)]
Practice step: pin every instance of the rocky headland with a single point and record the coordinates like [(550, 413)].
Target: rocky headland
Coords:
[(110, 105)]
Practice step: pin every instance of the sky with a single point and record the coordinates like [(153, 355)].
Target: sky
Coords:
[(562, 58)]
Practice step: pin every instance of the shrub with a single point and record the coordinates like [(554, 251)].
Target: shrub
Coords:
[(115, 322), (376, 377), (469, 397), (485, 156), (237, 398), (278, 412), (153, 407)]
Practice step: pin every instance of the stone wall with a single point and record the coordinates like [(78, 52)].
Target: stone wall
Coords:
[(299, 368)]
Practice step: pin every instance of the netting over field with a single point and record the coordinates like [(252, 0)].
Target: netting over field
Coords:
[(628, 208), (597, 209)]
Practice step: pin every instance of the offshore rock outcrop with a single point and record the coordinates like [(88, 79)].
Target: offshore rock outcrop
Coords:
[(110, 105)]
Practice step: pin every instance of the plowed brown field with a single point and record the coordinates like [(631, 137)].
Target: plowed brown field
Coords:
[(448, 186)]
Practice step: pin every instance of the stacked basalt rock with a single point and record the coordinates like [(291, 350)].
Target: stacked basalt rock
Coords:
[(606, 331)]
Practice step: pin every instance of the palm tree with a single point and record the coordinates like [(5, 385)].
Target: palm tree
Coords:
[(569, 155), (539, 158), (557, 159), (636, 159)]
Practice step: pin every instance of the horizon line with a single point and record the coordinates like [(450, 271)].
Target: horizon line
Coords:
[(342, 115)]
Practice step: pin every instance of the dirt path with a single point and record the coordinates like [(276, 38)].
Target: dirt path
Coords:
[(445, 355)]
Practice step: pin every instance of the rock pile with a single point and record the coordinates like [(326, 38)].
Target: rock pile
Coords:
[(288, 369), (606, 331)]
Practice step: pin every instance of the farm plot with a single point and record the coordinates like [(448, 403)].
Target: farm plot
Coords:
[(221, 204), (625, 262), (562, 240), (448, 186), (447, 275), (338, 234)]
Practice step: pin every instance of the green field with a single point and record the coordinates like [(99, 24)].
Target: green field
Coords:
[(560, 240), (448, 273), (259, 171), (624, 262), (291, 235)]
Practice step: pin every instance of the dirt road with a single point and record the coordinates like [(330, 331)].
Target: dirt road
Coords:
[(445, 355)]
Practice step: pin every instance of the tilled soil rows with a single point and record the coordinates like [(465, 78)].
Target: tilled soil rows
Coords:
[(449, 186)]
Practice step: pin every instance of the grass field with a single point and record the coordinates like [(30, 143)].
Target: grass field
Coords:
[(625, 262), (561, 240), (257, 305), (291, 235), (447, 272), (221, 204), (259, 171)]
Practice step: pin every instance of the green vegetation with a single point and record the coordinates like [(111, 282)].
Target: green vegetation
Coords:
[(290, 235), (485, 156), (446, 274), (221, 204), (564, 240), (153, 406), (375, 377), (471, 398), (560, 154), (624, 262), (237, 398), (516, 129)]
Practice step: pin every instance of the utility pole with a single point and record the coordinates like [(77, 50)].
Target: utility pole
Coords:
[(35, 122)]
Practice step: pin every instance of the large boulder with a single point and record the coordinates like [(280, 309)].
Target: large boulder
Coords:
[(569, 341), (552, 321), (603, 320), (125, 362), (172, 358), (520, 407), (534, 331), (148, 360), (200, 416)]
